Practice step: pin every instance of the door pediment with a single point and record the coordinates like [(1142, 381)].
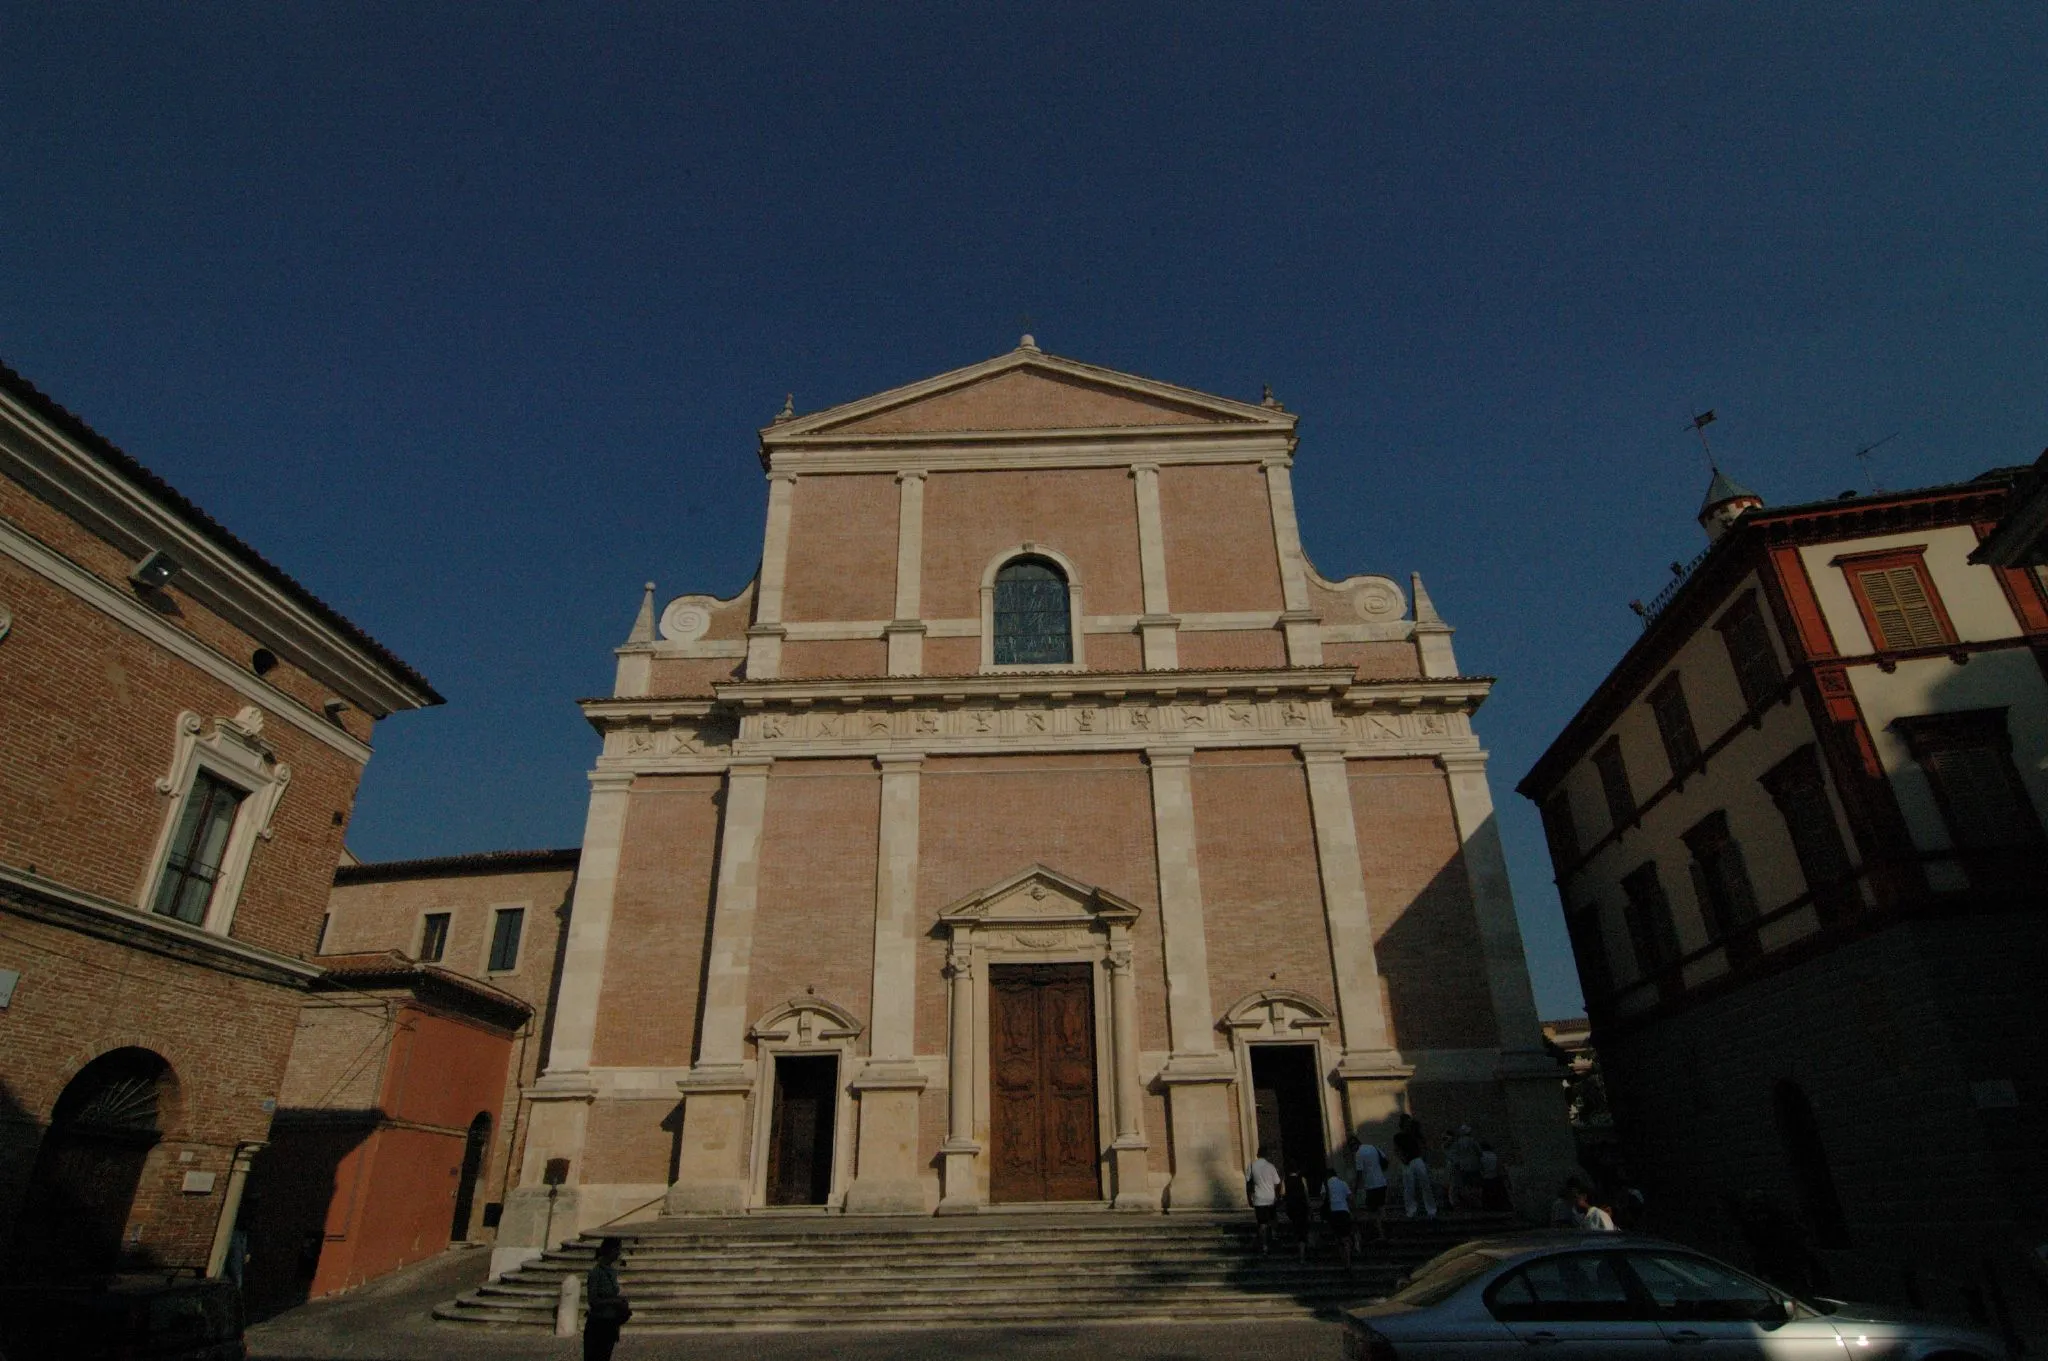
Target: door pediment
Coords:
[(1038, 897)]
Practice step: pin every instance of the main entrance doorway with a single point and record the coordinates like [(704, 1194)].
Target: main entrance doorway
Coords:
[(1042, 1083), (800, 1132), (1287, 1101)]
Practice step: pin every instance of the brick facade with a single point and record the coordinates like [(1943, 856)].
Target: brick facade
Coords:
[(1243, 811), (116, 694)]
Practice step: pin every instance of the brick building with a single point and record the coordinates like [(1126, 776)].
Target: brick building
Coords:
[(1797, 832), (1038, 826), (185, 726), (379, 1153), (483, 934)]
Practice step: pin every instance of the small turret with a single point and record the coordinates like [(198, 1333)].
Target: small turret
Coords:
[(1727, 501)]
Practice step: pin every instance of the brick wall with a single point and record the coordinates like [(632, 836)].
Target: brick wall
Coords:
[(1218, 526), (814, 921), (842, 549), (1088, 514)]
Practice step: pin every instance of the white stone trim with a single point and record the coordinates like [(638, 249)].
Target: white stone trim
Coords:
[(1353, 964), (1188, 1012), (590, 925), (1493, 901), (732, 930), (236, 754), (124, 609), (973, 452), (1075, 630), (764, 638)]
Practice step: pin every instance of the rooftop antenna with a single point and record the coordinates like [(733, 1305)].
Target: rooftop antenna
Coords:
[(1862, 456)]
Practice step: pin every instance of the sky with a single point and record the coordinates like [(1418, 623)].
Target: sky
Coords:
[(467, 315)]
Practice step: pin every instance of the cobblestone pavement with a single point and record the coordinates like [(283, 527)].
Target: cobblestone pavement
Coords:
[(389, 1321)]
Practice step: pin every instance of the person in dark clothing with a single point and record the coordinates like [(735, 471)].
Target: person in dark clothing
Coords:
[(605, 1309), (1298, 1212)]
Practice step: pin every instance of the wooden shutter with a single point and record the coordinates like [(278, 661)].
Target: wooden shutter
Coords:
[(1900, 605)]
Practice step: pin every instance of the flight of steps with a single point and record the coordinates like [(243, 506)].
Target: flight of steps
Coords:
[(990, 1270)]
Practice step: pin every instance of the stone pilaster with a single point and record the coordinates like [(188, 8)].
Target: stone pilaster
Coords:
[(1528, 1076), (1371, 1069), (1303, 627), (906, 631), (1128, 1163), (590, 923), (1196, 1076), (961, 1192), (764, 637), (1157, 627), (886, 1178), (712, 1168)]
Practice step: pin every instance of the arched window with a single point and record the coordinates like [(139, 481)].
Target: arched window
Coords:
[(1032, 623)]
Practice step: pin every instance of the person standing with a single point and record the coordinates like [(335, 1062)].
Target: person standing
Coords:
[(1262, 1189), (605, 1310), (1493, 1181), (1418, 1192), (1298, 1213), (1369, 1177), (1337, 1209), (1464, 1157), (1588, 1216)]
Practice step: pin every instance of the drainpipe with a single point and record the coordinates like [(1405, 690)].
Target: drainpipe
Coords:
[(231, 1204)]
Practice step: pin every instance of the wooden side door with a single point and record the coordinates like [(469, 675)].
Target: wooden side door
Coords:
[(1042, 1083)]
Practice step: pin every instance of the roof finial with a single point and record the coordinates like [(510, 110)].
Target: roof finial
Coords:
[(1425, 608), (1270, 402), (643, 625), (1027, 342), (788, 412)]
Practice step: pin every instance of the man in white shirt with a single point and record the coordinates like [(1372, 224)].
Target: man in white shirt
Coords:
[(1262, 1189), (1587, 1215)]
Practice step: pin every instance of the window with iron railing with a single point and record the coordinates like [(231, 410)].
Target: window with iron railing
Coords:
[(1674, 724), (198, 846)]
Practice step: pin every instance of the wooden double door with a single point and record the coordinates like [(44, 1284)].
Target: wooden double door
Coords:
[(1042, 1119)]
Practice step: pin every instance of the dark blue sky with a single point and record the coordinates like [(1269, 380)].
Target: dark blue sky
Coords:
[(466, 315)]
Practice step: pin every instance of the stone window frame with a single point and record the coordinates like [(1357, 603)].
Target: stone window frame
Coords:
[(1254, 1021), (235, 754), (1029, 549), (490, 940), (804, 1027)]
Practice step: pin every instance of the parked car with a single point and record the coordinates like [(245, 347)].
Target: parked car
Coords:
[(125, 1318), (1570, 1296)]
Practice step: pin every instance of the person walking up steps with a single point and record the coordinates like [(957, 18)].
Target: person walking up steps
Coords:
[(606, 1310), (1298, 1213), (1418, 1191), (1262, 1189), (1369, 1178), (1337, 1209)]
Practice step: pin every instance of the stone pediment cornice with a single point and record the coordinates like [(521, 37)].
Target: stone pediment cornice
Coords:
[(1191, 425)]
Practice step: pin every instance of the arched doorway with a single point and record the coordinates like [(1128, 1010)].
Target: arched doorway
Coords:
[(102, 1128), (473, 1150)]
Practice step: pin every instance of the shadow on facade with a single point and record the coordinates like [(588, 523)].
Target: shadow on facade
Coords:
[(291, 1193)]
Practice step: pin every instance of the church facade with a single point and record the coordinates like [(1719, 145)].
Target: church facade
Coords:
[(1038, 825)]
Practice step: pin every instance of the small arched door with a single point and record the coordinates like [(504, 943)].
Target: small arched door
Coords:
[(473, 1150), (83, 1187)]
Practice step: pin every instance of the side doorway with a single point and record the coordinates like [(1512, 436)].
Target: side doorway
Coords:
[(473, 1150), (1288, 1107), (800, 1129)]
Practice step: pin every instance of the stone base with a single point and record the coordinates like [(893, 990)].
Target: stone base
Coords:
[(1132, 1177), (507, 1260), (721, 1197), (887, 1182), (1207, 1174), (877, 1196), (963, 1195), (538, 1218)]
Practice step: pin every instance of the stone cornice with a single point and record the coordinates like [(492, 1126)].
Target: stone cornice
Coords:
[(86, 484), (33, 896), (1059, 686), (979, 451)]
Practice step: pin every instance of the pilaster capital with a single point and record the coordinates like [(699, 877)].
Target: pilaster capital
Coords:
[(1168, 758), (1158, 621), (959, 965), (610, 781), (900, 762), (711, 1078), (1368, 1065), (1138, 468), (1276, 461), (1462, 762), (767, 631), (916, 626), (573, 1085), (912, 475), (781, 475), (1322, 753), (1185, 1069), (750, 767)]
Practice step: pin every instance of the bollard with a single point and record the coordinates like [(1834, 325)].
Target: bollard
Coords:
[(565, 1308)]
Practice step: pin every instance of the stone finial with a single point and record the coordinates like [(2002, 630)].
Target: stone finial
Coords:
[(1425, 608), (1269, 401), (788, 412), (1027, 342), (643, 625)]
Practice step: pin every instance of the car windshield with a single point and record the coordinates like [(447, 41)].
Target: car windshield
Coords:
[(1442, 1278)]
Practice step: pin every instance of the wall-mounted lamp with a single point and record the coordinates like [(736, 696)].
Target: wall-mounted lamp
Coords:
[(155, 571)]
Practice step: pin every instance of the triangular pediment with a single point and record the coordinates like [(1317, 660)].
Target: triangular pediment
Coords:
[(1027, 390), (1037, 894)]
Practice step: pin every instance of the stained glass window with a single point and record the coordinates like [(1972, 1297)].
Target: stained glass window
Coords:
[(1032, 624)]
